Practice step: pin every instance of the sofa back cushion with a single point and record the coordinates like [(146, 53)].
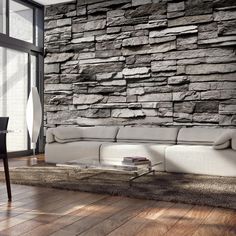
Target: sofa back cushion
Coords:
[(99, 133), (73, 134), (199, 136), (148, 135)]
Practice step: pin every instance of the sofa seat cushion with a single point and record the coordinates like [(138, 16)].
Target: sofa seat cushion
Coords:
[(200, 160), (74, 134), (61, 153), (148, 135), (114, 153)]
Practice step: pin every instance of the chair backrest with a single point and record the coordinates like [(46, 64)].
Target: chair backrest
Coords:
[(3, 126)]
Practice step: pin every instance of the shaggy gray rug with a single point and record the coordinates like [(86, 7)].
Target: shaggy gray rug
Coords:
[(185, 188)]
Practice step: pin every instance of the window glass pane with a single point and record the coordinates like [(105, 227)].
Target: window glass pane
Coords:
[(13, 96), (33, 70), (21, 21), (3, 16)]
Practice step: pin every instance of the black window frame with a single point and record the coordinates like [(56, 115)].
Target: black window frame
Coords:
[(31, 49)]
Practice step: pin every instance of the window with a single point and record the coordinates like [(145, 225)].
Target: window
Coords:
[(21, 22), (21, 65), (13, 96), (3, 16)]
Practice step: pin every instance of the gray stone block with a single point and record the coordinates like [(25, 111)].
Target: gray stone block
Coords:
[(198, 7), (81, 10), (227, 120), (183, 117), (210, 95), (104, 4), (176, 14), (87, 99), (206, 118), (135, 41), (88, 26), (113, 30), (152, 24), (186, 42), (208, 107), (174, 31), (127, 113), (184, 107), (177, 80), (200, 86), (136, 71), (58, 57), (186, 96), (58, 87), (121, 20), (51, 68), (210, 68), (161, 40), (189, 20), (150, 49), (140, 2), (225, 15), (83, 40), (51, 79), (163, 66), (228, 108), (173, 7), (155, 97), (156, 9), (227, 27)]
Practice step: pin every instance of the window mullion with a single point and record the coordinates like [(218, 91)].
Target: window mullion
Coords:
[(7, 17), (34, 25)]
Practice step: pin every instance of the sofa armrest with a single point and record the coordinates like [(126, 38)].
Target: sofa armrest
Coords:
[(50, 136)]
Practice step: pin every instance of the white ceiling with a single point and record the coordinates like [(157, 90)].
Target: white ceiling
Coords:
[(50, 2)]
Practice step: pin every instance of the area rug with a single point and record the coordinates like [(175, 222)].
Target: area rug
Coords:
[(185, 188)]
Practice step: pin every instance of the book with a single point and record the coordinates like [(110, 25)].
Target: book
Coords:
[(134, 159), (137, 163)]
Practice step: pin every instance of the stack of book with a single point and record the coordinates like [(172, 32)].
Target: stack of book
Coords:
[(136, 161)]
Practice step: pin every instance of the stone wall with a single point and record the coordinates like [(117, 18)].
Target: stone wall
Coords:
[(141, 62)]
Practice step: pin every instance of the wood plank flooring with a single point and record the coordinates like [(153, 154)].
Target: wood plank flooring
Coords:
[(37, 211)]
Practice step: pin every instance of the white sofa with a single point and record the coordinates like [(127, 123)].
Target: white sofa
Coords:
[(64, 144), (185, 150), (194, 153)]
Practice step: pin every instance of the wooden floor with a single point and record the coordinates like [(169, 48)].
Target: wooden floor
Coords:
[(37, 211)]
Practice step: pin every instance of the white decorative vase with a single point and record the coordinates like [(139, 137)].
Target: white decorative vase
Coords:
[(34, 116)]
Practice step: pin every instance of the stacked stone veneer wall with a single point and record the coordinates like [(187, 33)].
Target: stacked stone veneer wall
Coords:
[(144, 62)]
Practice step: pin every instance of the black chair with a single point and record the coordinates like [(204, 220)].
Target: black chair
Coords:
[(3, 152)]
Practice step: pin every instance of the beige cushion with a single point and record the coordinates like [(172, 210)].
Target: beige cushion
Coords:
[(225, 139), (75, 134), (222, 145), (200, 160), (61, 153), (144, 134), (67, 134), (50, 136), (100, 132), (196, 136), (233, 144)]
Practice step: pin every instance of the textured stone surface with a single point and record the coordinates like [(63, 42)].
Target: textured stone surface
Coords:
[(189, 20), (174, 31), (178, 6), (135, 41), (140, 62)]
